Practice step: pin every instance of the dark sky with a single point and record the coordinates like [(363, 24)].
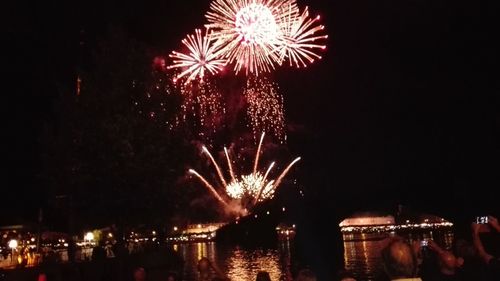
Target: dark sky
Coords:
[(402, 108)]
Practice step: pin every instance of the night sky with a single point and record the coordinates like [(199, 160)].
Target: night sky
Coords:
[(402, 108)]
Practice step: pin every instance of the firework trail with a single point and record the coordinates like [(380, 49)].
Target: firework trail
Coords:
[(254, 186)]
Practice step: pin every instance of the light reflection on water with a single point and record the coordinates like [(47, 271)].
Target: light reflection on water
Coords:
[(244, 265), (362, 252), (361, 256), (238, 263)]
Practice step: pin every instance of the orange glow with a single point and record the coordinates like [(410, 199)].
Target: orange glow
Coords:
[(238, 268)]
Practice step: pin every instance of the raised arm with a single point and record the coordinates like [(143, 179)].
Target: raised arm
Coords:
[(476, 240)]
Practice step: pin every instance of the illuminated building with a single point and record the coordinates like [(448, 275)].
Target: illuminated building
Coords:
[(376, 223), (196, 233)]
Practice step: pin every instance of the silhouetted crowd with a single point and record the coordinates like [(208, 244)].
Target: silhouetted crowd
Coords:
[(426, 260), (421, 260)]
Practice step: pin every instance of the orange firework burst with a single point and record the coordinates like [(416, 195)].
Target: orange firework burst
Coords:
[(299, 37), (248, 31), (201, 58), (252, 188), (265, 107)]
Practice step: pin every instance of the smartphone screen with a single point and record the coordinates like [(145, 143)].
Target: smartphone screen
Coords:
[(482, 220)]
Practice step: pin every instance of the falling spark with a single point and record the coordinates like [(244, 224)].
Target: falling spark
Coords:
[(202, 108), (158, 99), (299, 40), (201, 58), (254, 186), (265, 107)]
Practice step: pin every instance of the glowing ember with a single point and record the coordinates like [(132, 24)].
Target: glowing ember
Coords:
[(247, 189), (265, 107), (202, 108)]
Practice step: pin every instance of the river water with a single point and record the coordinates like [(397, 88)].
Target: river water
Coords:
[(361, 256), (238, 263)]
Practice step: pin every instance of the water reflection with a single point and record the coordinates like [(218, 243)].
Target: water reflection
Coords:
[(244, 265), (362, 252), (362, 255), (238, 263)]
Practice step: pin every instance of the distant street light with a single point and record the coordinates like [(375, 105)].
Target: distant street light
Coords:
[(89, 237), (12, 246)]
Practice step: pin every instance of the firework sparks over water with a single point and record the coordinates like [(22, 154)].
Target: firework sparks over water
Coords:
[(299, 40), (265, 108), (254, 187), (200, 59)]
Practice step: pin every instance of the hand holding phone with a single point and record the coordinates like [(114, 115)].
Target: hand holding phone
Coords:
[(424, 248)]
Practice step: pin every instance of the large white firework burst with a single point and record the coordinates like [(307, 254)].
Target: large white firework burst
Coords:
[(247, 32)]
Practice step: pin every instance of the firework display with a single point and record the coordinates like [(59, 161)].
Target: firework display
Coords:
[(200, 59), (246, 189), (299, 37), (250, 35), (202, 109), (253, 37), (248, 32), (265, 107)]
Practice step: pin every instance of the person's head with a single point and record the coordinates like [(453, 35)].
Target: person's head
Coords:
[(305, 275), (263, 276), (203, 265), (399, 260), (139, 274), (448, 263)]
